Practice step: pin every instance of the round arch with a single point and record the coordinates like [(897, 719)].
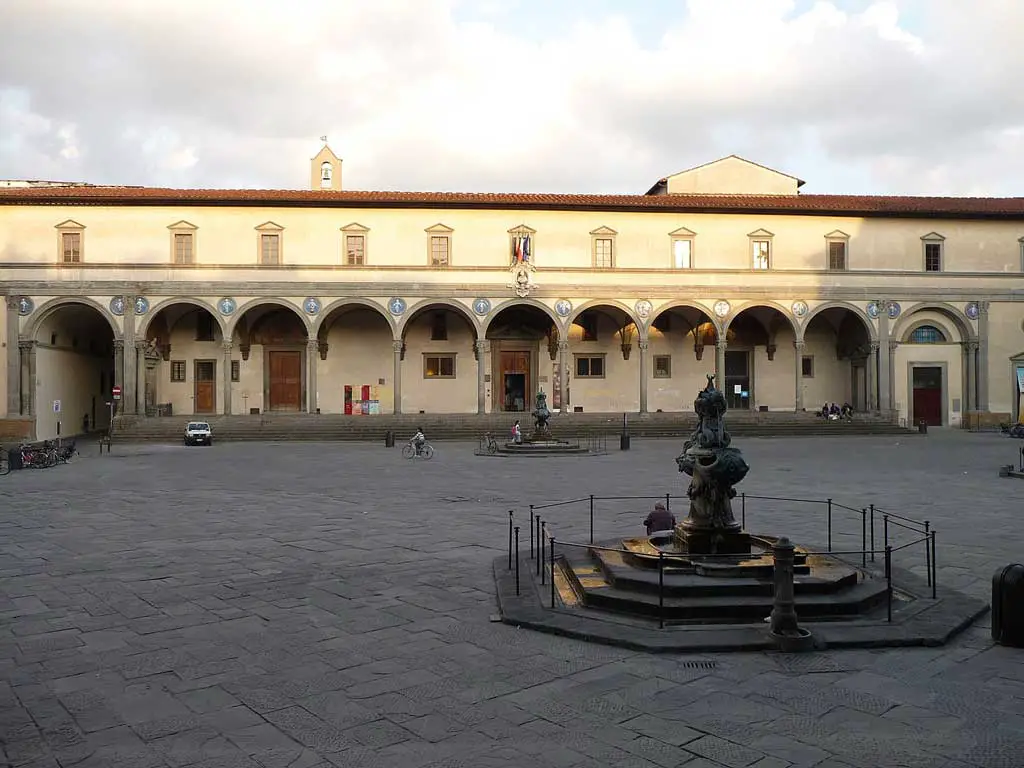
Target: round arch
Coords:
[(428, 304), (47, 309), (326, 312), (147, 320), (687, 304), (229, 331), (641, 326), (954, 315), (924, 322), (521, 303), (760, 305), (853, 308)]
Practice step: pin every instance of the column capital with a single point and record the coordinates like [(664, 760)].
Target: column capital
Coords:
[(12, 301), (983, 307), (311, 344), (397, 345), (28, 346), (563, 345), (721, 344), (893, 344), (141, 344), (227, 346), (969, 346), (874, 346), (798, 343), (482, 345)]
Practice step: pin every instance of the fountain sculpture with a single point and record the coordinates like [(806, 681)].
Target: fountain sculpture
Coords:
[(540, 441), (541, 415)]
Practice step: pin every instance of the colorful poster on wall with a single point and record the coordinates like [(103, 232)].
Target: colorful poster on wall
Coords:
[(556, 386), (348, 400), (1020, 379)]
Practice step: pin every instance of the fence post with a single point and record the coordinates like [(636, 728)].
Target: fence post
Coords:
[(830, 525), (591, 518), (668, 502), (743, 511), (661, 590), (517, 560), (935, 569), (540, 560), (531, 531), (552, 571), (864, 537), (872, 533), (510, 539), (928, 550), (540, 545), (888, 581), (885, 530)]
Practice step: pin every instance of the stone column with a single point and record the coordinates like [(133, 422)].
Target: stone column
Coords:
[(312, 362), (720, 347), (226, 346), (563, 374), (642, 344), (128, 387), (119, 375), (13, 358), (970, 376), (893, 345), (140, 377), (798, 345), (482, 348), (982, 369), (27, 374), (884, 362), (397, 345), (872, 378)]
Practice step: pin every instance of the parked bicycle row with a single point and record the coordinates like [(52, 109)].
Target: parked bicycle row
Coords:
[(49, 454)]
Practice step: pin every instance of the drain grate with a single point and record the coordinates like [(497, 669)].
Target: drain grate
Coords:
[(699, 664)]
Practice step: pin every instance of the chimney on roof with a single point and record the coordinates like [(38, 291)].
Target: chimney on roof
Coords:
[(325, 170)]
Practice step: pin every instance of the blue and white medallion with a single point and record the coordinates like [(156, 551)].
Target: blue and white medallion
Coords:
[(972, 310), (894, 310), (481, 306), (799, 308), (141, 305), (563, 307), (25, 306), (117, 305), (396, 306), (227, 305), (311, 305), (874, 310)]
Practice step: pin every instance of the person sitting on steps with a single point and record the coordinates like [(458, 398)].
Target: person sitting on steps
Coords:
[(418, 440)]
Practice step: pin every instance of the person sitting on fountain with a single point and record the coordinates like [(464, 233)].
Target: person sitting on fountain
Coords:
[(659, 520), (418, 440)]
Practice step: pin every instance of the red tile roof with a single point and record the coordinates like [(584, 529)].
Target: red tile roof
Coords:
[(814, 205)]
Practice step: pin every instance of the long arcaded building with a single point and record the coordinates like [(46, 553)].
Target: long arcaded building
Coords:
[(218, 301)]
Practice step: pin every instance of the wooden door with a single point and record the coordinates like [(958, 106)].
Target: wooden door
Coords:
[(284, 380), (927, 385), (514, 380), (206, 386)]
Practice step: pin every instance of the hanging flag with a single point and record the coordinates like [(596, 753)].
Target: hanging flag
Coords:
[(526, 248)]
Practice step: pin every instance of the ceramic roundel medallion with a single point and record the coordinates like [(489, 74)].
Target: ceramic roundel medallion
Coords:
[(311, 305), (894, 310), (396, 306), (972, 310), (722, 308), (799, 308), (117, 305), (227, 305), (643, 309), (25, 306), (563, 307), (873, 309), (141, 305), (481, 306)]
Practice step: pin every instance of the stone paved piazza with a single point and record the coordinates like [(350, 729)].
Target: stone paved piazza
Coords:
[(316, 605)]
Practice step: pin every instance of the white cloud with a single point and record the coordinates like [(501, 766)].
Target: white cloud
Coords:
[(413, 95)]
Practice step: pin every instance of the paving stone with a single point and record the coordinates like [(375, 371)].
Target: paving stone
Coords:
[(724, 752)]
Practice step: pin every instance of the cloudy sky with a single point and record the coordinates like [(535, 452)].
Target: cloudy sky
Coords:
[(854, 96)]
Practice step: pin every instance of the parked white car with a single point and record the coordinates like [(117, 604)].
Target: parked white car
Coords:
[(198, 433)]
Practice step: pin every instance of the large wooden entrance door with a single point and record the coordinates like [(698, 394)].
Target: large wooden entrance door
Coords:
[(927, 386), (205, 386), (514, 383), (284, 380)]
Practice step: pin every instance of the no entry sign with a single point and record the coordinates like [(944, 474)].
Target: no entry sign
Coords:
[(117, 393)]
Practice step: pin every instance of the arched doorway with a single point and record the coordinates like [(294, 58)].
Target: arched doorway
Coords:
[(682, 342), (606, 376), (68, 370), (439, 366), (760, 358), (355, 360), (183, 368), (272, 339), (524, 349), (837, 362)]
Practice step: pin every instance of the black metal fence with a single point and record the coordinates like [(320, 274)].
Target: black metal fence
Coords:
[(871, 518)]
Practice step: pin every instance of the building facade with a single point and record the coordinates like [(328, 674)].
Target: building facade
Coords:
[(367, 303)]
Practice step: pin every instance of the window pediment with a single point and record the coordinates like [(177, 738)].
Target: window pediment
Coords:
[(682, 232), (270, 226), (607, 231), (183, 225), (439, 229), (522, 229), (837, 234), (760, 233), (355, 227), (69, 224), (934, 237)]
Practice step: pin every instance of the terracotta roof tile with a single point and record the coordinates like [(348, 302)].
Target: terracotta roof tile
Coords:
[(840, 205)]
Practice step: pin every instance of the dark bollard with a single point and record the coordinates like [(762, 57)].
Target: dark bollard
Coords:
[(510, 539), (389, 439), (785, 629), (624, 438), (1007, 597), (517, 559)]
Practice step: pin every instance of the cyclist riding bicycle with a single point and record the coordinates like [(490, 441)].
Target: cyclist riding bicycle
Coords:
[(418, 440)]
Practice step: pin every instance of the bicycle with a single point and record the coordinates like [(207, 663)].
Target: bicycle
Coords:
[(425, 452), (488, 443)]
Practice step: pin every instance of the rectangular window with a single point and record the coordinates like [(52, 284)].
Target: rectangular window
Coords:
[(270, 249), (177, 370), (603, 253), (837, 255), (355, 250), (662, 367), (807, 366), (682, 254), (439, 250), (71, 246), (236, 370), (439, 366), (183, 248), (204, 326), (933, 257), (761, 253), (589, 366)]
